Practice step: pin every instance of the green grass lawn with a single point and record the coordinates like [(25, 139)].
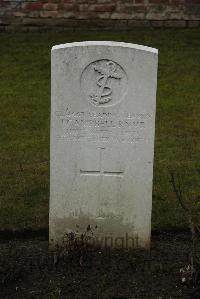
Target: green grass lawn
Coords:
[(25, 109)]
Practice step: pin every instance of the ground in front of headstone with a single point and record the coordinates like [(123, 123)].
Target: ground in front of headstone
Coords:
[(29, 270)]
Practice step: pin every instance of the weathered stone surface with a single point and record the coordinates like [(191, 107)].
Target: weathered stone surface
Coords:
[(193, 24), (175, 24), (137, 23), (157, 24), (146, 11), (102, 141)]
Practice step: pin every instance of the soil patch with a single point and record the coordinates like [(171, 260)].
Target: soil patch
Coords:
[(29, 270)]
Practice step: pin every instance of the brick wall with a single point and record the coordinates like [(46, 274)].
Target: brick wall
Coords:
[(34, 15)]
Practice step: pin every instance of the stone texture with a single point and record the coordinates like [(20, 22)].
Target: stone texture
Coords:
[(157, 24), (175, 24), (193, 24), (137, 23), (118, 10), (102, 141)]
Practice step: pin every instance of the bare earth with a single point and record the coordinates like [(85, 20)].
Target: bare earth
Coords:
[(29, 270)]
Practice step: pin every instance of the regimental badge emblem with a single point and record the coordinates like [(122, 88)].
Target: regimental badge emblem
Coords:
[(103, 93), (104, 83)]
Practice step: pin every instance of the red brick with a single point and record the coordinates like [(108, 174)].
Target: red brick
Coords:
[(177, 3), (83, 7), (19, 14), (69, 7), (50, 6), (104, 15), (140, 8), (139, 1), (32, 5), (34, 14), (126, 2), (192, 1), (133, 8), (86, 15), (77, 1), (49, 14), (102, 7), (101, 13), (66, 14), (3, 4), (104, 1), (158, 1), (122, 16)]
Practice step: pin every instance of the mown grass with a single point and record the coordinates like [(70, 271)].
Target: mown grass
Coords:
[(25, 109)]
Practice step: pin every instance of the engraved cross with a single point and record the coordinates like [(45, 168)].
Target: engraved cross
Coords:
[(100, 171)]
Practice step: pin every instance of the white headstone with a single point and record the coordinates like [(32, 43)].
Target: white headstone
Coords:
[(102, 141)]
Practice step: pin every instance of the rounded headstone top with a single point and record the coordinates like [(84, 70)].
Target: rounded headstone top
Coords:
[(105, 43)]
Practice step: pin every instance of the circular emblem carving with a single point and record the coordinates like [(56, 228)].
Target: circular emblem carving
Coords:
[(104, 83)]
